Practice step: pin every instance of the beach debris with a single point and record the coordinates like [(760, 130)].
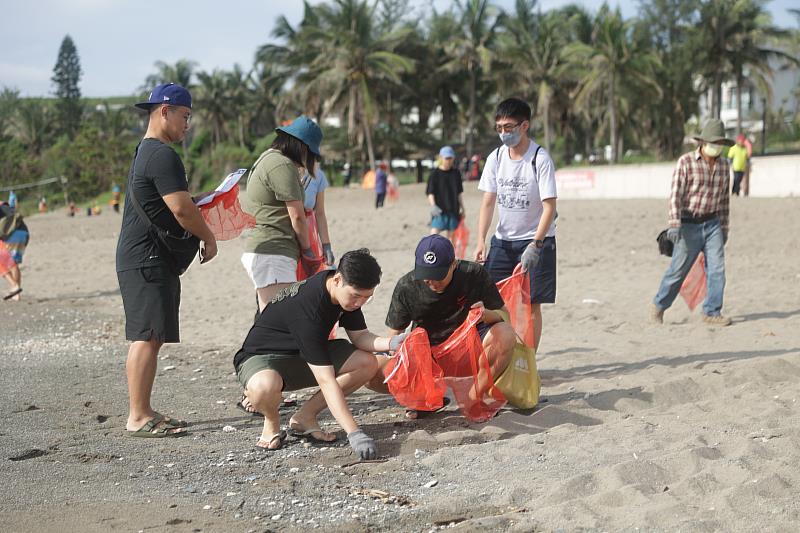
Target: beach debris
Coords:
[(206, 507), (381, 495), (276, 517), (592, 301), (28, 454), (430, 484), (228, 429), (189, 489), (294, 470), (169, 367)]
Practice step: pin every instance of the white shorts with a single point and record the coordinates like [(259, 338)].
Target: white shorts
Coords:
[(265, 270)]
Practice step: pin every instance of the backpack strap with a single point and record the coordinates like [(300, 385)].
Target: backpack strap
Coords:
[(533, 163)]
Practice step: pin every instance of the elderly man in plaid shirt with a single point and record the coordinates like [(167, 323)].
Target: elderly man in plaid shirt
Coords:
[(698, 222)]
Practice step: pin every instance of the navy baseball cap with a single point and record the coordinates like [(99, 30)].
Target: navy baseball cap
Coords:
[(306, 130), (434, 256), (167, 93)]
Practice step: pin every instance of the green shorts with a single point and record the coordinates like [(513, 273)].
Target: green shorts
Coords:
[(293, 368)]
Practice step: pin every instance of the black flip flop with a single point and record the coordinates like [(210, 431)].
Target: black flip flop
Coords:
[(281, 435), (240, 405), (423, 414), (12, 294)]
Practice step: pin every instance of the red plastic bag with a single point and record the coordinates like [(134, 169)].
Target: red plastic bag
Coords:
[(6, 261), (316, 247), (694, 287), (516, 293), (225, 217), (466, 371), (460, 239), (412, 376)]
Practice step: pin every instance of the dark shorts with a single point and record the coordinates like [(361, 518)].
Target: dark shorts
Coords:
[(293, 368), (151, 297), (505, 255)]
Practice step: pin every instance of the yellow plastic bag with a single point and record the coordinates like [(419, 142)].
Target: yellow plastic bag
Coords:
[(520, 382)]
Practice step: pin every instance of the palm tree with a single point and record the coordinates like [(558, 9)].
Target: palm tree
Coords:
[(473, 50), (212, 98), (339, 56), (611, 66), (532, 45), (734, 36), (182, 73), (32, 123)]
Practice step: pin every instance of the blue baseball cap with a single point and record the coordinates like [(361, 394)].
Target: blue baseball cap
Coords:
[(167, 93), (434, 256), (306, 130), (447, 151)]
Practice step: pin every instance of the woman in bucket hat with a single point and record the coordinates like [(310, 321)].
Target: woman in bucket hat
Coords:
[(275, 198), (698, 222)]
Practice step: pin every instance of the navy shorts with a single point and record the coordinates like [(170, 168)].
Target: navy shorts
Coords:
[(505, 255)]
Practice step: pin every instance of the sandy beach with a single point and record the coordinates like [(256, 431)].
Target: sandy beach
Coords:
[(677, 427)]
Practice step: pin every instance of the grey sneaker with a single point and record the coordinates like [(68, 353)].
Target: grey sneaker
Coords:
[(717, 320), (656, 314)]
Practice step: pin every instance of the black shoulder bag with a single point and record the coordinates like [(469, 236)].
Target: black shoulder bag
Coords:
[(178, 251)]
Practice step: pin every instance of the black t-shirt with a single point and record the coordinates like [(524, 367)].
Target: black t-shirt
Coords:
[(297, 321), (157, 171), (441, 314), (445, 186)]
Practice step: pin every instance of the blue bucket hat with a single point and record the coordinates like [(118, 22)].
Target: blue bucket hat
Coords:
[(306, 130), (447, 152), (167, 93)]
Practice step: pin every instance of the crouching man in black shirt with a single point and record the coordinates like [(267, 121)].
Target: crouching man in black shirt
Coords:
[(438, 295), (288, 349)]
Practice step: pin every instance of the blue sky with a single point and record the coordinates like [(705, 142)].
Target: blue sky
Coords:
[(119, 40)]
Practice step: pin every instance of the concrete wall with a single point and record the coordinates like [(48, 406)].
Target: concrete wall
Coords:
[(775, 176)]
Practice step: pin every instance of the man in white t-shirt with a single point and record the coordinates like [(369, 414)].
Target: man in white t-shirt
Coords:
[(519, 177)]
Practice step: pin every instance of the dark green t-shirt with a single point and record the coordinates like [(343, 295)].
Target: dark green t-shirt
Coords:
[(273, 181), (157, 172), (441, 314)]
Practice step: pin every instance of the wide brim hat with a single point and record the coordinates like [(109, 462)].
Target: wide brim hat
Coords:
[(306, 130), (714, 133)]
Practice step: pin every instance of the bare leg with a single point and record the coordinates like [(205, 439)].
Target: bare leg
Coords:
[(265, 294), (140, 368), (264, 393), (14, 279), (536, 316), (359, 368), (499, 344), (376, 382)]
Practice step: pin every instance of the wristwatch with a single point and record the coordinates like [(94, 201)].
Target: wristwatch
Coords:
[(539, 243)]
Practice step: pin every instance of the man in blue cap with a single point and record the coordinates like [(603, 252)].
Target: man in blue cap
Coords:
[(438, 295), (147, 273), (445, 194)]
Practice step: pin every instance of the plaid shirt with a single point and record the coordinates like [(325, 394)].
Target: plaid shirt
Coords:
[(696, 191)]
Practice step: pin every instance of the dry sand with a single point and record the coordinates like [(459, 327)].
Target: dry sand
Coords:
[(673, 427)]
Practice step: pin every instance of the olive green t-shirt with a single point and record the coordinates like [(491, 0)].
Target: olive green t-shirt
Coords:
[(273, 181)]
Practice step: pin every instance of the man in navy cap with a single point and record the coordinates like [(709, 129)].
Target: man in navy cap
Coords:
[(147, 273), (438, 295)]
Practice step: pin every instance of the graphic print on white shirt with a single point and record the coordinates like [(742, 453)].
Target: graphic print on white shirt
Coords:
[(520, 191)]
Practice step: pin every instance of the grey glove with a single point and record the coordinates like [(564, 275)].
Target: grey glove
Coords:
[(327, 252), (362, 445), (530, 257), (436, 210), (396, 341), (674, 234)]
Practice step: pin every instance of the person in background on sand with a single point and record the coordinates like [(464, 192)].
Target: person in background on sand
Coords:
[(739, 157), (116, 194), (381, 178), (315, 201), (288, 349), (519, 177), (438, 296), (15, 237), (43, 205), (273, 248), (444, 193), (699, 207), (12, 200), (149, 284)]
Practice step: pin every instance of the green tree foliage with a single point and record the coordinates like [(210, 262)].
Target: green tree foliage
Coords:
[(66, 76)]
